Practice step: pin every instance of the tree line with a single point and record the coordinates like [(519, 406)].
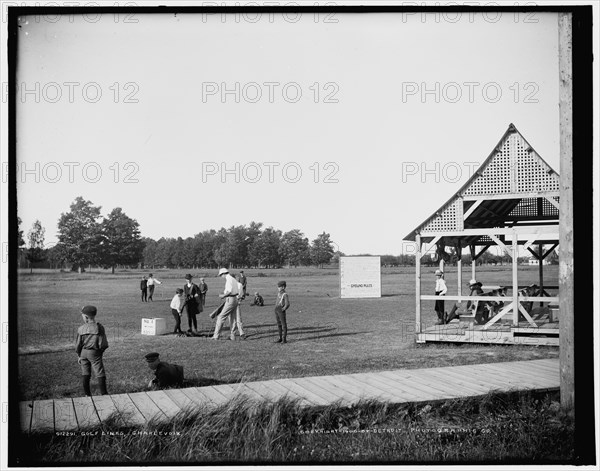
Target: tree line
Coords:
[(85, 238)]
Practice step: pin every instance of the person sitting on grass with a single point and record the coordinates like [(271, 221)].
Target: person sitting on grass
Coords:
[(258, 300), (90, 346), (166, 374)]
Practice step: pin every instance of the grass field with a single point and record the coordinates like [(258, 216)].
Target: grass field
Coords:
[(327, 335)]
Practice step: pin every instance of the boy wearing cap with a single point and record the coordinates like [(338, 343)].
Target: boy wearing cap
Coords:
[(177, 304), (258, 300), (90, 346), (281, 306), (193, 305), (166, 375), (151, 282), (440, 290), (230, 296)]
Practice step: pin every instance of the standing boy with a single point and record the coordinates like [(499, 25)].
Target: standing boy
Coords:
[(90, 346), (151, 282), (144, 288), (440, 290), (177, 304), (203, 290), (281, 306), (244, 281)]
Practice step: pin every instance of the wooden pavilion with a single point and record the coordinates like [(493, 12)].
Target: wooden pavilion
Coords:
[(512, 200)]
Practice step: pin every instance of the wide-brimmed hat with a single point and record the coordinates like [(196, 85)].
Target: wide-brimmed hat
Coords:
[(188, 277), (223, 271), (439, 272)]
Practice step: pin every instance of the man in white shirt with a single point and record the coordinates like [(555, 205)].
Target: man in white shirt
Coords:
[(236, 318), (230, 295), (151, 282)]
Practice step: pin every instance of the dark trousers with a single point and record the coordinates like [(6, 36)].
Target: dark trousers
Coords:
[(150, 292), (192, 321), (145, 294), (439, 307), (280, 317), (177, 321)]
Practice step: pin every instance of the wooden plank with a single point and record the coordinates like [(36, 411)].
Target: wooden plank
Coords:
[(325, 390), (128, 410), (179, 398), (461, 383), (168, 407), (314, 389), (64, 415), (282, 391), (42, 419), (381, 390), (85, 412), (239, 390), (146, 406), (206, 396), (302, 392), (524, 371), (373, 391), (261, 390), (453, 386), (391, 385), (527, 379), (344, 389), (107, 410), (538, 370), (340, 394), (25, 413), (504, 379), (408, 380)]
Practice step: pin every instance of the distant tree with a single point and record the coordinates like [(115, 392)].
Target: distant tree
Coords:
[(121, 243), (20, 241), (336, 257), (321, 250), (80, 234), (264, 250), (35, 252), (294, 248), (149, 252)]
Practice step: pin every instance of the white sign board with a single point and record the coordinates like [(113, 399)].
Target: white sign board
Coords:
[(154, 326), (360, 277)]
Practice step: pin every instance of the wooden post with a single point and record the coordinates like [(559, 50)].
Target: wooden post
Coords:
[(541, 269), (565, 269), (459, 277), (418, 283), (515, 281)]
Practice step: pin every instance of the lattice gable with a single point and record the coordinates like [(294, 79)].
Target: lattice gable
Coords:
[(513, 168)]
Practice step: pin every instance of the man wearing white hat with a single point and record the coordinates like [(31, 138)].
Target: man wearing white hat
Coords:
[(230, 295)]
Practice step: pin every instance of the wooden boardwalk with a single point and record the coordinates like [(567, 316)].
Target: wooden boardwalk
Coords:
[(399, 386)]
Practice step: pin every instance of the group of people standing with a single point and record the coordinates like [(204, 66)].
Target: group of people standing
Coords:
[(147, 287)]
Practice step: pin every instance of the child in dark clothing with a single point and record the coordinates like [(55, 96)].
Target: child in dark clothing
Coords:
[(90, 346), (258, 300), (281, 306)]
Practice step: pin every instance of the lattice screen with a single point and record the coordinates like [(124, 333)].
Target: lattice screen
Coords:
[(529, 207), (447, 220), (514, 169)]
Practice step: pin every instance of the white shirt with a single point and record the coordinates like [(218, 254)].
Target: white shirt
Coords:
[(440, 285), (177, 302), (231, 285), (151, 281)]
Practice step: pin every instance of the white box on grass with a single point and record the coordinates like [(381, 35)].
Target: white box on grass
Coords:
[(154, 326)]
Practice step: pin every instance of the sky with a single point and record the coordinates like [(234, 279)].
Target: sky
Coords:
[(359, 125)]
